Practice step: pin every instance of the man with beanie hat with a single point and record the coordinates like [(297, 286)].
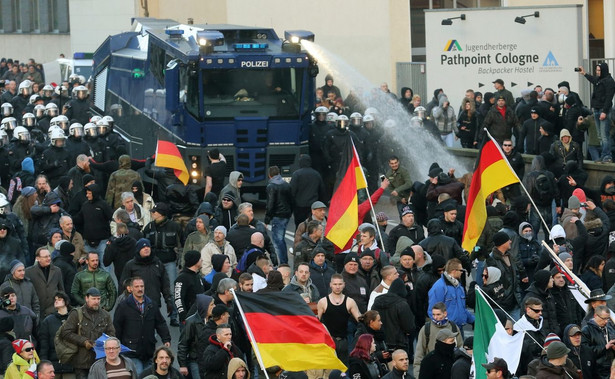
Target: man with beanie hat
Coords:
[(555, 364), (532, 367), (356, 286), (23, 286), (188, 284), (541, 289), (148, 266), (226, 212), (529, 135), (408, 228), (24, 320), (136, 320), (510, 267), (219, 245), (320, 271)]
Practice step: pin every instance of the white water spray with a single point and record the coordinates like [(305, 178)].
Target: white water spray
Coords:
[(421, 148)]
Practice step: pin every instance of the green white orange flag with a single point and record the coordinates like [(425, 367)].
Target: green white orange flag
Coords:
[(491, 339), (167, 155), (284, 332), (492, 173), (343, 218)]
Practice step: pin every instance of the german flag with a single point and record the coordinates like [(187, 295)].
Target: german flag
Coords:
[(167, 155), (285, 332), (492, 173), (343, 218)]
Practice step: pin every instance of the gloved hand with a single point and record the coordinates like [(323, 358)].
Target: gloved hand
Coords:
[(32, 367), (88, 344)]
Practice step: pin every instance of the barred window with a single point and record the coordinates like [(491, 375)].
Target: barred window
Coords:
[(34, 16)]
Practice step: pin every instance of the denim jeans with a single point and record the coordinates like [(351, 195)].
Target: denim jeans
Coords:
[(449, 139), (141, 365), (537, 223), (604, 131), (100, 249), (278, 233), (193, 369), (171, 269)]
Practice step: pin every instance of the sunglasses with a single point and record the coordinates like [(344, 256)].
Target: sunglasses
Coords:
[(506, 144), (226, 199), (28, 349), (536, 310)]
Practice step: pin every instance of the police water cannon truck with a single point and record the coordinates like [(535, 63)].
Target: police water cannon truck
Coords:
[(242, 90)]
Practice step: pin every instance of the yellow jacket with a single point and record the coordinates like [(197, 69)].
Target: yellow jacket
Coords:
[(18, 369)]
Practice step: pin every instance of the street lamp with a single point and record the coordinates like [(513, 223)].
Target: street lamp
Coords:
[(449, 21), (521, 19)]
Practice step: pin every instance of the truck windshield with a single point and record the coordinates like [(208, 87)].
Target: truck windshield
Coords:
[(273, 93)]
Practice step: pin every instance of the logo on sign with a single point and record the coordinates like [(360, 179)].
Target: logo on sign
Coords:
[(550, 60), (452, 45)]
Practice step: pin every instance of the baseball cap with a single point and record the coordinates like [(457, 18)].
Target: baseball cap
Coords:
[(498, 363)]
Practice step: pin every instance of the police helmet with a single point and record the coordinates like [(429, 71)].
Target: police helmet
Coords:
[(61, 91), (81, 92), (3, 203), (51, 110), (73, 79), (28, 120), (420, 111), (331, 118), (116, 110), (416, 121), (103, 126), (7, 109), (8, 123), (95, 119), (4, 138), (321, 113), (356, 119), (76, 130), (47, 91), (342, 122), (22, 134), (372, 111), (63, 122), (368, 121), (51, 129), (25, 88), (34, 98), (39, 111), (57, 137), (90, 129), (110, 121)]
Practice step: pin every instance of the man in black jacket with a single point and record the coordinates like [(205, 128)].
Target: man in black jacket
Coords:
[(188, 284), (165, 237), (193, 340), (135, 320), (400, 365), (601, 103), (147, 266), (279, 210), (307, 187), (599, 335), (438, 244), (95, 217), (407, 228)]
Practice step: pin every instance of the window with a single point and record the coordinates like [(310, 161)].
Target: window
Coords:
[(34, 16)]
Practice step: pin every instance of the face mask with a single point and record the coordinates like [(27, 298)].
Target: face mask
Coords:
[(528, 236), (610, 190), (441, 322)]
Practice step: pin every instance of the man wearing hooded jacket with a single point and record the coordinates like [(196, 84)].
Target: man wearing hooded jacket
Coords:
[(602, 102)]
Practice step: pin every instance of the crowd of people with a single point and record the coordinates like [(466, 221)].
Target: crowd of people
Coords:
[(87, 258)]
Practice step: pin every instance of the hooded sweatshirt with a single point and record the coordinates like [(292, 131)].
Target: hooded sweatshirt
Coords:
[(445, 119), (235, 364), (232, 188)]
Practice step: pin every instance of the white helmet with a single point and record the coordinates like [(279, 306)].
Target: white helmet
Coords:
[(420, 111), (22, 134), (342, 122), (321, 113), (63, 123), (81, 79), (34, 98), (25, 88), (61, 91), (103, 126), (4, 138), (95, 119), (56, 136), (332, 119), (90, 129), (47, 91), (28, 120), (116, 110), (372, 111), (51, 129), (356, 119), (76, 130), (8, 123), (416, 121), (110, 121), (368, 121), (39, 111), (7, 109), (81, 92), (51, 110), (73, 79)]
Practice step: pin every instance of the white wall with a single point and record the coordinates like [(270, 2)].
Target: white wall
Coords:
[(92, 21), (41, 47)]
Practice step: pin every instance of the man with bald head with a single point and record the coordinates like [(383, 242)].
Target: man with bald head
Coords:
[(400, 365), (253, 251)]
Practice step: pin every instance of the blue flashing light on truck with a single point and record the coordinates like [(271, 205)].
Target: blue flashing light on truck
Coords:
[(240, 89)]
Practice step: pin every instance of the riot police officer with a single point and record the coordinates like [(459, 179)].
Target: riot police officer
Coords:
[(54, 161)]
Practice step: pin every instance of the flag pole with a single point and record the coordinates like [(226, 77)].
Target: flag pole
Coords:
[(520, 182), (257, 352), (507, 315), (354, 151)]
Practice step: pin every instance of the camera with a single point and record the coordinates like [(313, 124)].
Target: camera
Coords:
[(382, 177), (577, 69), (583, 204), (5, 302)]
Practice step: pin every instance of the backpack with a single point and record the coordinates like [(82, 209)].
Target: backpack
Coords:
[(67, 350), (544, 188)]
